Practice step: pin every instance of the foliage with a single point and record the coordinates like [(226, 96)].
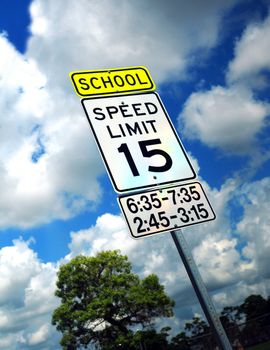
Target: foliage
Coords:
[(101, 299), (197, 326), (150, 339), (248, 322), (254, 306), (256, 311), (180, 341), (103, 302)]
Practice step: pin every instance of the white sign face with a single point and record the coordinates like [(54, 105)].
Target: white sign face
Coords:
[(166, 209), (137, 141)]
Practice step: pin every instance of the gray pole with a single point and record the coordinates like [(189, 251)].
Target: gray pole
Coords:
[(201, 291)]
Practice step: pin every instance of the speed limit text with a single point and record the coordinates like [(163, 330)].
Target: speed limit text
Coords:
[(124, 128)]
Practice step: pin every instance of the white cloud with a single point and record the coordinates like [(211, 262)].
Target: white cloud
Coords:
[(229, 118), (40, 336), (109, 232), (27, 298), (15, 273), (219, 261), (254, 227), (49, 162), (235, 294), (108, 34), (252, 52), (249, 275)]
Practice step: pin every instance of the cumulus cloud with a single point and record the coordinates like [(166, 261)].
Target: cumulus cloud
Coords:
[(120, 33), (252, 53), (254, 227), (27, 298), (39, 336), (14, 283), (231, 117), (49, 162)]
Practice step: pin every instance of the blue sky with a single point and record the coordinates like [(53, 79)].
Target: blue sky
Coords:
[(210, 62)]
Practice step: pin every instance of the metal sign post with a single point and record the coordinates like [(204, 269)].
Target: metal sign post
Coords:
[(200, 289)]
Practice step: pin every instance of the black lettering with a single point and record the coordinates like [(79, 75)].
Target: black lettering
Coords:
[(110, 132), (111, 110), (133, 130), (82, 82), (91, 81), (145, 128), (153, 111), (117, 77), (122, 130), (95, 111), (151, 122), (132, 81), (107, 81), (123, 109), (139, 80), (137, 109)]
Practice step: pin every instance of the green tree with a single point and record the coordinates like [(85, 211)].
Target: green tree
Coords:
[(200, 332), (230, 315), (180, 342), (253, 306), (150, 339), (230, 319), (101, 299), (197, 327)]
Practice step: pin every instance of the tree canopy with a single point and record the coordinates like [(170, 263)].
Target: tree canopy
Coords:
[(102, 299), (104, 303)]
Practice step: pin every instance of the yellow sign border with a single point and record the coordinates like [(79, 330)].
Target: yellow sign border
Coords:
[(114, 90)]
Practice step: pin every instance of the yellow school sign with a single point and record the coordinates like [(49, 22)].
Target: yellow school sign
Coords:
[(112, 81)]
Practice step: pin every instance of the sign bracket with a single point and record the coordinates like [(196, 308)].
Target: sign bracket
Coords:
[(200, 290)]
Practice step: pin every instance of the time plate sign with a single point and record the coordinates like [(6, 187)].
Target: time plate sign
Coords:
[(166, 209)]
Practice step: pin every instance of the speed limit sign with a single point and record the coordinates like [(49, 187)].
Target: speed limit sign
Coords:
[(137, 141)]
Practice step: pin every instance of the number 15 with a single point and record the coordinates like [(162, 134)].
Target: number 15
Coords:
[(147, 153)]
